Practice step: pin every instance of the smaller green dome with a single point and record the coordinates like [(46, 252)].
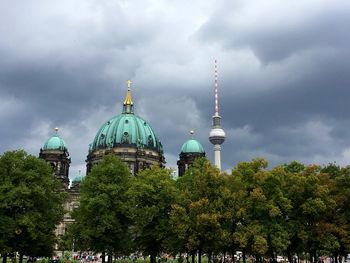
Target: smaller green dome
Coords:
[(55, 143), (192, 146), (78, 179)]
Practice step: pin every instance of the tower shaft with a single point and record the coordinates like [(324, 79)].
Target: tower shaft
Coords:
[(217, 156)]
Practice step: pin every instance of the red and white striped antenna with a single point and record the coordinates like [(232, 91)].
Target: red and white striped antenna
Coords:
[(216, 88)]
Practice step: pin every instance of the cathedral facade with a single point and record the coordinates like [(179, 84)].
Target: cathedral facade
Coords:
[(127, 136)]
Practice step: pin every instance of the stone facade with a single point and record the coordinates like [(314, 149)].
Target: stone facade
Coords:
[(186, 160), (136, 158)]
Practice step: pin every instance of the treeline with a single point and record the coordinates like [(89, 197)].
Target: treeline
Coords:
[(291, 210)]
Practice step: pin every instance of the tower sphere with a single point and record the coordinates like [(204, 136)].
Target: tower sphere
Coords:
[(217, 136)]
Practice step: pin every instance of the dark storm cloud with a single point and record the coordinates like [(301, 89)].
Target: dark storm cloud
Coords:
[(300, 112), (275, 30), (283, 74), (62, 67)]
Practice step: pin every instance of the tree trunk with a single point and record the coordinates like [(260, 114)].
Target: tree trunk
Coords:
[(110, 258), (21, 258), (289, 255), (200, 256), (335, 258), (193, 257), (187, 258), (209, 257), (244, 255), (153, 258), (233, 254), (315, 257), (272, 256), (103, 257), (4, 258)]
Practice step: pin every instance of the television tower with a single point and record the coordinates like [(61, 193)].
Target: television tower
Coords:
[(217, 135)]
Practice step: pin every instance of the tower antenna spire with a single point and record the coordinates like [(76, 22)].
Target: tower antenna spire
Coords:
[(216, 87)]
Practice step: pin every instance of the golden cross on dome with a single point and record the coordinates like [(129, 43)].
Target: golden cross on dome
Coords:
[(128, 100)]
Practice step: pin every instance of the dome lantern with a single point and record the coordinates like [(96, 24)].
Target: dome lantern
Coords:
[(128, 105)]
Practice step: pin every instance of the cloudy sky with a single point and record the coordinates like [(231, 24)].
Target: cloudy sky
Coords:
[(284, 74)]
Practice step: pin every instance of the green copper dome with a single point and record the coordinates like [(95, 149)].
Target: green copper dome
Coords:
[(55, 143), (126, 129), (78, 179), (129, 137), (192, 146)]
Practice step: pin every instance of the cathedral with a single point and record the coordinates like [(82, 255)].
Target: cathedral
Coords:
[(133, 140)]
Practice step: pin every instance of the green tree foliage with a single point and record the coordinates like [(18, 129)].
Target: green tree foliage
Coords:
[(292, 209), (310, 193), (153, 192), (342, 213), (249, 234), (31, 205), (289, 210), (197, 217), (335, 226), (103, 219)]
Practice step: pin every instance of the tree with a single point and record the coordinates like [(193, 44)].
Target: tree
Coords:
[(233, 194), (335, 225), (31, 205), (153, 192), (197, 216), (249, 234), (309, 191), (103, 220)]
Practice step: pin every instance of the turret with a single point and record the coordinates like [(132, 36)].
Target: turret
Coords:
[(56, 153), (190, 151)]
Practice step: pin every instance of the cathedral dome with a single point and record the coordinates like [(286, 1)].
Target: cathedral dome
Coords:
[(192, 146), (129, 137), (126, 129), (55, 143)]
